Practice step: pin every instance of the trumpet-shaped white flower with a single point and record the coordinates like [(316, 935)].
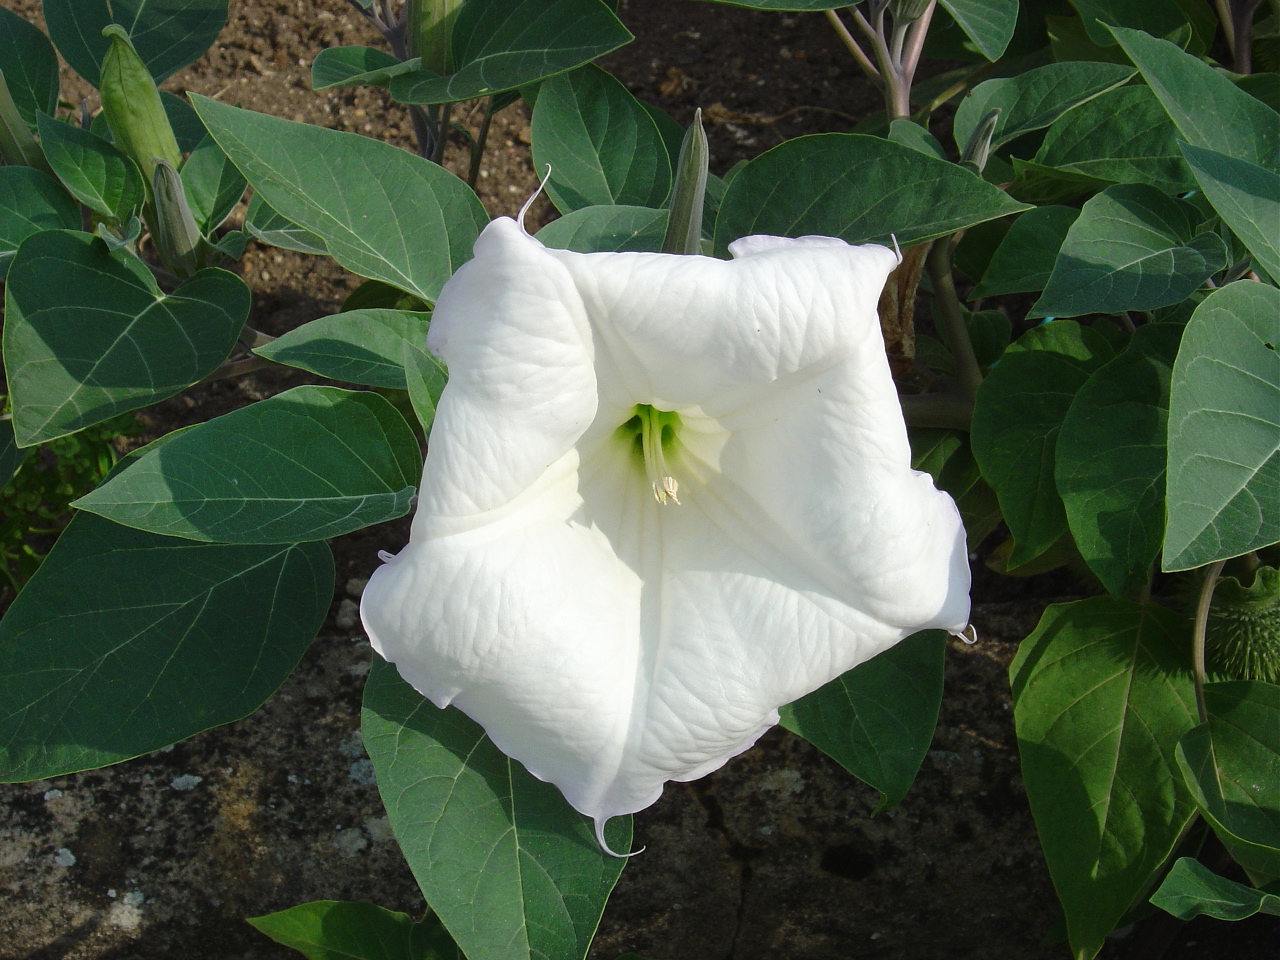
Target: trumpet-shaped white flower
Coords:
[(664, 495)]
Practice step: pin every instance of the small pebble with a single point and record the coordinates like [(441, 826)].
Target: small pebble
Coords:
[(188, 781), (362, 773), (356, 585), (64, 857), (348, 617), (52, 794)]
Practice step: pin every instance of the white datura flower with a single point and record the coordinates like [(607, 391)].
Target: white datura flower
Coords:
[(664, 496)]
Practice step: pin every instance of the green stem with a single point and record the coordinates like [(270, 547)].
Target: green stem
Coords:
[(477, 148), (442, 133), (951, 313), (851, 43), (1198, 631), (937, 410)]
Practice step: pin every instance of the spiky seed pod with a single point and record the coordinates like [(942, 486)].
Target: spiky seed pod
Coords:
[(1242, 638)]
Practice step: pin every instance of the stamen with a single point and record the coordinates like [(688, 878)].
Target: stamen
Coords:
[(655, 464)]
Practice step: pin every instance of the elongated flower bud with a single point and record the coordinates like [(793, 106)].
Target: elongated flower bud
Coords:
[(178, 239), (429, 34), (17, 144), (908, 11), (131, 104), (978, 149), (684, 218)]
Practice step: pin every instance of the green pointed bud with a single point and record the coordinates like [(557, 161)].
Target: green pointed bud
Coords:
[(908, 11), (688, 193), (131, 104), (978, 148), (178, 240), (17, 143), (429, 33)]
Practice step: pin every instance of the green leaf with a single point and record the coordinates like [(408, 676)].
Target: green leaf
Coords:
[(611, 229), (11, 455), (1132, 248), (1035, 99), (212, 184), (307, 464), (988, 23), (857, 188), (96, 173), (1123, 136), (1101, 695), (1024, 260), (1232, 766), (1208, 109), (508, 866), (1111, 460), (602, 145), (1156, 17), (878, 719), (1016, 420), (89, 334), (1192, 889), (503, 44), (125, 642), (911, 134), (29, 65), (263, 223), (947, 456), (425, 378), (356, 66), (1247, 197), (30, 203), (1224, 417), (361, 346), (382, 212), (168, 34), (346, 930)]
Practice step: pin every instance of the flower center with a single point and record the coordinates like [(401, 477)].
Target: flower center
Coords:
[(651, 431)]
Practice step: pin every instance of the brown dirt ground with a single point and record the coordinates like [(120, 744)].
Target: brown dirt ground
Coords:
[(776, 856)]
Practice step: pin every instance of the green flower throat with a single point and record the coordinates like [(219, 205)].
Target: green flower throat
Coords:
[(652, 433)]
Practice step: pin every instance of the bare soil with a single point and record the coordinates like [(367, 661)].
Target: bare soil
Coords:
[(775, 856)]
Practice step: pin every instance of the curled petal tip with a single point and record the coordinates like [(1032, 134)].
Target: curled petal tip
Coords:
[(969, 634), (600, 822), (529, 203)]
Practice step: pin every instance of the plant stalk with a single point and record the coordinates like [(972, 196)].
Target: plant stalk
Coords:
[(937, 410), (1198, 631), (950, 311), (477, 148), (851, 43)]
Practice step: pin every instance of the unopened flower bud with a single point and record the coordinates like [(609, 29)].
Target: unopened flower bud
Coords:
[(688, 194), (908, 11), (178, 240), (131, 104), (429, 33)]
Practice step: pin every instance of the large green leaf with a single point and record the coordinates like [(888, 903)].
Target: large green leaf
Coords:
[(89, 334), (11, 455), (346, 930), (878, 720), (1232, 766), (1132, 248), (513, 871), (1157, 17), (30, 203), (29, 65), (600, 142), (1024, 260), (1224, 425), (1016, 419), (212, 184), (359, 346), (425, 378), (307, 464), (1101, 696), (381, 212), (1123, 136), (355, 66), (1192, 889), (266, 225), (947, 455), (124, 642), (607, 229), (1208, 109), (99, 175), (503, 44), (855, 187), (1111, 460), (168, 34), (988, 23), (1247, 196), (1035, 99)]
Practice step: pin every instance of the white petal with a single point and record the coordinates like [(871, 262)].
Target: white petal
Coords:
[(609, 643)]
